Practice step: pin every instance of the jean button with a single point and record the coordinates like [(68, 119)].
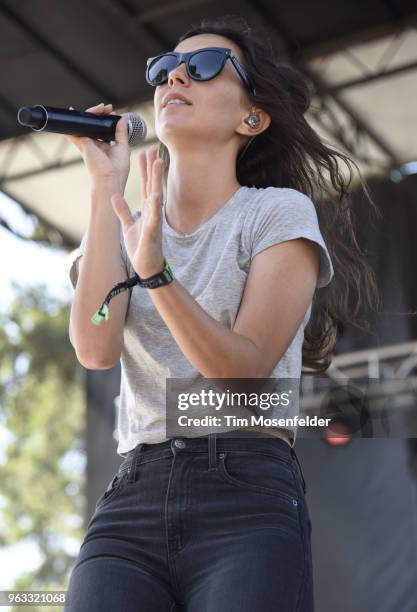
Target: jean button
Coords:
[(179, 443)]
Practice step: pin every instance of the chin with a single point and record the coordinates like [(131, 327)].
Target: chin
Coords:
[(169, 129)]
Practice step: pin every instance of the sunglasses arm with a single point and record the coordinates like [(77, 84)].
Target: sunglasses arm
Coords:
[(242, 73)]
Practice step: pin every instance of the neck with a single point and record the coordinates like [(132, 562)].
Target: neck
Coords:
[(199, 183)]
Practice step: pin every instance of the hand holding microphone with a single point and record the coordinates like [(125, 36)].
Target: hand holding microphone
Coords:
[(104, 162), (77, 123)]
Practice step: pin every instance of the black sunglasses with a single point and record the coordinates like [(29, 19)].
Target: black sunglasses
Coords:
[(201, 65)]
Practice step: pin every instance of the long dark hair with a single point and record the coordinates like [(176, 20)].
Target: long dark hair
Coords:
[(289, 153)]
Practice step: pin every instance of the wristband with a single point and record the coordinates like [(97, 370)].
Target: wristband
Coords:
[(157, 280), (152, 282)]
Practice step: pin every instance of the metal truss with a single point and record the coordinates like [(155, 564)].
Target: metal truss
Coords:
[(353, 133), (46, 159), (383, 380), (347, 127)]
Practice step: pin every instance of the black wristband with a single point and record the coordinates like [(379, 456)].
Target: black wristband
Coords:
[(157, 280), (152, 282)]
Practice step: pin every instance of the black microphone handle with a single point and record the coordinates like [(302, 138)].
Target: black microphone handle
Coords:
[(72, 122)]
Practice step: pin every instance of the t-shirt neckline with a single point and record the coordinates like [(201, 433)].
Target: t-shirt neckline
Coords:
[(204, 226)]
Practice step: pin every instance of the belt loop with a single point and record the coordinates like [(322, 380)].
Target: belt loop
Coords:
[(212, 451), (132, 467), (294, 456)]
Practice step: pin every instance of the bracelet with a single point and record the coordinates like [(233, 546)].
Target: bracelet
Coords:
[(152, 282), (157, 280)]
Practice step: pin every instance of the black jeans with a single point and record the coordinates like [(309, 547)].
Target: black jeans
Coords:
[(208, 524)]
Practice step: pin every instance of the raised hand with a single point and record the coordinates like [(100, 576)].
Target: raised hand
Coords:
[(143, 237)]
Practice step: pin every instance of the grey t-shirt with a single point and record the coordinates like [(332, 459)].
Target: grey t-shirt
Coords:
[(212, 264)]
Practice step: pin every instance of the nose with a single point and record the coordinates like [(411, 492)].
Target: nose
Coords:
[(179, 73)]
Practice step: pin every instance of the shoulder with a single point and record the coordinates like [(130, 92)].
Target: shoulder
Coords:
[(287, 207), (279, 214), (285, 198)]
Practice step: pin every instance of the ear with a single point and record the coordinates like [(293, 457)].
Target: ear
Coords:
[(263, 123)]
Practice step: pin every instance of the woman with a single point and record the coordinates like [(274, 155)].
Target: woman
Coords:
[(217, 521)]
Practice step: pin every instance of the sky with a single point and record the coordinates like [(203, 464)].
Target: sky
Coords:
[(28, 263)]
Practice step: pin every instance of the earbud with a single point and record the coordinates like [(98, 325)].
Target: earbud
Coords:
[(252, 121)]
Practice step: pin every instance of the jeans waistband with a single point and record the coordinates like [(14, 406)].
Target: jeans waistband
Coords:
[(211, 444)]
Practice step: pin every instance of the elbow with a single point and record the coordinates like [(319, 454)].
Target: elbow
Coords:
[(96, 363), (253, 367), (96, 360), (242, 372)]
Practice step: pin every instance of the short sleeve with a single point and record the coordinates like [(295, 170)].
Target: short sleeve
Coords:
[(282, 214), (73, 270)]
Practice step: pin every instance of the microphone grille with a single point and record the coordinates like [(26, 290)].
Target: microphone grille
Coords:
[(137, 129)]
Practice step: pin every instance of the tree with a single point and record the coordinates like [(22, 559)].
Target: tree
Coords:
[(42, 407)]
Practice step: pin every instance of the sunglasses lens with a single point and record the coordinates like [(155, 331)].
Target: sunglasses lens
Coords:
[(205, 65), (160, 68)]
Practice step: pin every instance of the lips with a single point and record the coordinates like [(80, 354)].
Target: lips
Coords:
[(175, 104), (172, 96)]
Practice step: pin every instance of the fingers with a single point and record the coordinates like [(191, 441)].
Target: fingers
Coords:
[(122, 210), (156, 188), (148, 171), (146, 161), (103, 146), (81, 142), (73, 139), (100, 109), (142, 175), (151, 153), (121, 132)]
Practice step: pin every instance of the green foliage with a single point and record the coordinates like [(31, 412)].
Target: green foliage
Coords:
[(42, 476)]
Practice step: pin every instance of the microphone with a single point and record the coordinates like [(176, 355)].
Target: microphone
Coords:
[(77, 123)]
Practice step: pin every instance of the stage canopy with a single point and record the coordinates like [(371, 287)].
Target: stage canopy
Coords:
[(360, 58)]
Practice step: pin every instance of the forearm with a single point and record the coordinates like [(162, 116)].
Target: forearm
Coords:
[(213, 349), (101, 269)]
